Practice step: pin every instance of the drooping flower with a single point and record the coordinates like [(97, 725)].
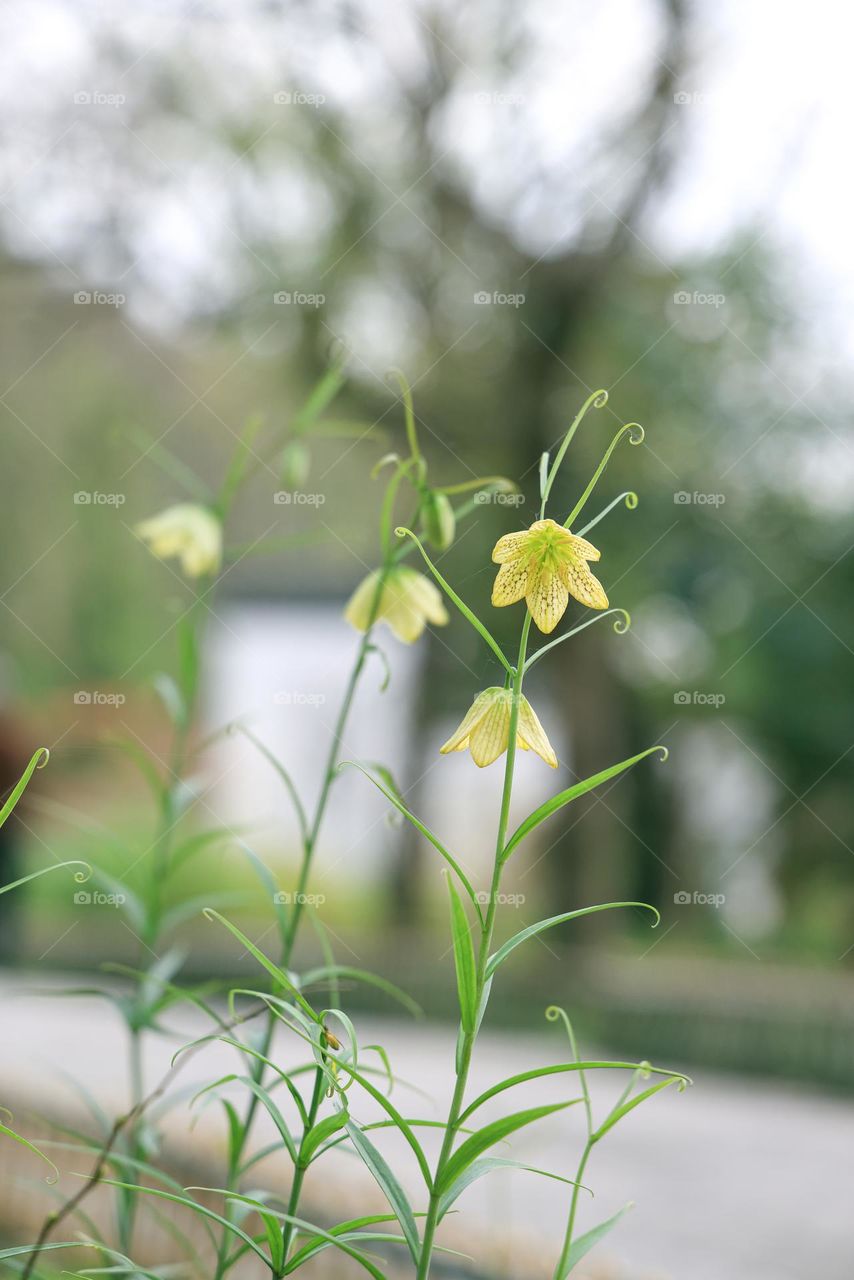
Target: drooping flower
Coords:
[(189, 531), (546, 564), (485, 729), (408, 601)]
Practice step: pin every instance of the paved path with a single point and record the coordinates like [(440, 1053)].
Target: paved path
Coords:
[(732, 1180)]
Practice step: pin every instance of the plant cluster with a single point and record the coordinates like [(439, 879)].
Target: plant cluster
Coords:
[(314, 1107)]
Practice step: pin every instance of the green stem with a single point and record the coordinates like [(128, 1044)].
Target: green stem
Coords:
[(485, 946), (563, 1262), (299, 1171), (309, 846)]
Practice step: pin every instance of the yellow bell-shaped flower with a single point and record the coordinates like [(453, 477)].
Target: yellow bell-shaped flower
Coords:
[(189, 531), (485, 730), (546, 564), (408, 601)]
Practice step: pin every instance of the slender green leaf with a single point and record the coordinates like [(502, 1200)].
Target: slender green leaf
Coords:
[(79, 876), (464, 960), (24, 1142), (487, 1137), (485, 1165), (537, 1073), (319, 1133), (38, 760), (512, 943), (194, 1205), (586, 1242), (419, 826), (266, 1101), (573, 793), (275, 972), (618, 1113), (467, 613), (389, 1185)]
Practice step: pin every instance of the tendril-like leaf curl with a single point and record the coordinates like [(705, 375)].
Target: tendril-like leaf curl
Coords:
[(597, 400), (621, 625), (635, 432), (629, 497)]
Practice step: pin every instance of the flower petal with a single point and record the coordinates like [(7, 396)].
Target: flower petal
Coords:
[(424, 596), (358, 610), (405, 620), (583, 585), (547, 599), (459, 739), (581, 547), (491, 735), (532, 736), (510, 546), (511, 582)]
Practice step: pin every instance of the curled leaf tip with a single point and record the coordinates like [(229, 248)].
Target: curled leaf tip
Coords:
[(82, 876), (600, 399), (622, 624), (402, 532), (665, 753), (631, 500), (553, 1012), (636, 436), (43, 754)]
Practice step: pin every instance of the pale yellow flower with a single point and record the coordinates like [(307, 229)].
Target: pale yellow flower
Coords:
[(189, 531), (407, 603), (546, 564), (485, 729)]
